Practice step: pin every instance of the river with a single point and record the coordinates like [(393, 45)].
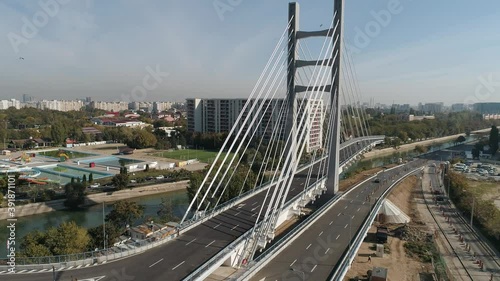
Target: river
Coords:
[(89, 217)]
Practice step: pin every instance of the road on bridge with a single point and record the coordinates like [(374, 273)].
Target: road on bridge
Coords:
[(178, 258), (316, 253)]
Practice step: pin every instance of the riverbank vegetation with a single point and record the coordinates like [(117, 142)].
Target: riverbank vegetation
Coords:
[(486, 214)]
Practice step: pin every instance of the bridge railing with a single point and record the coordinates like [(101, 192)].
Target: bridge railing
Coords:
[(130, 248)]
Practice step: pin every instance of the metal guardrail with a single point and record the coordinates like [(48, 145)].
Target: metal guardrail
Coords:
[(255, 265), (351, 253)]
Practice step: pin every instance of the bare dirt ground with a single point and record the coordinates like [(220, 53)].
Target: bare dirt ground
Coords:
[(400, 266)]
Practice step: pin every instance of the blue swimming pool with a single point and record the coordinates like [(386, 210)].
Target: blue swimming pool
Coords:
[(64, 173), (112, 161)]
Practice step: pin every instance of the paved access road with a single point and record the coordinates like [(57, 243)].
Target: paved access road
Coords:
[(317, 252)]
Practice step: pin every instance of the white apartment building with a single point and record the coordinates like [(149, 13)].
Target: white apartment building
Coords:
[(61, 105), (5, 104), (110, 106)]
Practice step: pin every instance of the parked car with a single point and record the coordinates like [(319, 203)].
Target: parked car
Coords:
[(94, 185), (160, 177)]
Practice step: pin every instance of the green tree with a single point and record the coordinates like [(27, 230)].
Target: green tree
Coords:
[(96, 236), (75, 194), (142, 138), (84, 179), (460, 139), (120, 181), (493, 140), (68, 238), (33, 244), (166, 212), (125, 212), (91, 178)]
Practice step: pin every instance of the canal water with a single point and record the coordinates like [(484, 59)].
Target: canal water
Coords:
[(89, 217)]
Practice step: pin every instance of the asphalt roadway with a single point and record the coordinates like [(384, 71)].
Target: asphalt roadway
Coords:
[(316, 253), (177, 259)]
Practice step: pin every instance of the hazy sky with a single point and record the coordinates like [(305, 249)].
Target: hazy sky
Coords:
[(428, 51)]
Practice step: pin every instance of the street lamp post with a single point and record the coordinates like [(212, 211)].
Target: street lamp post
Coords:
[(301, 272)]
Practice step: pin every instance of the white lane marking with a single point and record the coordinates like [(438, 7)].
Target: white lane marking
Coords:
[(338, 215), (308, 246), (346, 225), (235, 227), (217, 226), (330, 223), (237, 213), (314, 268), (358, 210), (178, 265), (357, 195), (345, 207), (292, 189), (155, 263), (320, 233), (254, 203), (240, 206), (255, 208), (337, 237), (327, 250), (293, 262), (254, 215), (210, 243), (351, 201), (191, 241)]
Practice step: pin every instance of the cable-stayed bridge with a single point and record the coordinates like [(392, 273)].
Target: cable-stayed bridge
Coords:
[(299, 129)]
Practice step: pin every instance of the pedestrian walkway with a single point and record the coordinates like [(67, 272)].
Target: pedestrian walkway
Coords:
[(469, 258)]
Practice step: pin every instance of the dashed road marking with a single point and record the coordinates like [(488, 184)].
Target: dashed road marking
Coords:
[(191, 241), (178, 265), (155, 263), (209, 244)]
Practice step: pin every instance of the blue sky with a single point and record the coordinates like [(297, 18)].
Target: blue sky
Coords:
[(429, 51)]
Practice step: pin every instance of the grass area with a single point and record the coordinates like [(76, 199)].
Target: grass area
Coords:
[(70, 154), (204, 156), (60, 169)]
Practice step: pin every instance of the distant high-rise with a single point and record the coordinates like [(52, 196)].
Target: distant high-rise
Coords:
[(88, 99), (487, 107), (27, 98)]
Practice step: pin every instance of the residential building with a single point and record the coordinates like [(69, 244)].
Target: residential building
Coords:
[(110, 106), (6, 104), (487, 107), (458, 107), (220, 115)]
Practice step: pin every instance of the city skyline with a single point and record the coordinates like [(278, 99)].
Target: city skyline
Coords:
[(89, 48)]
